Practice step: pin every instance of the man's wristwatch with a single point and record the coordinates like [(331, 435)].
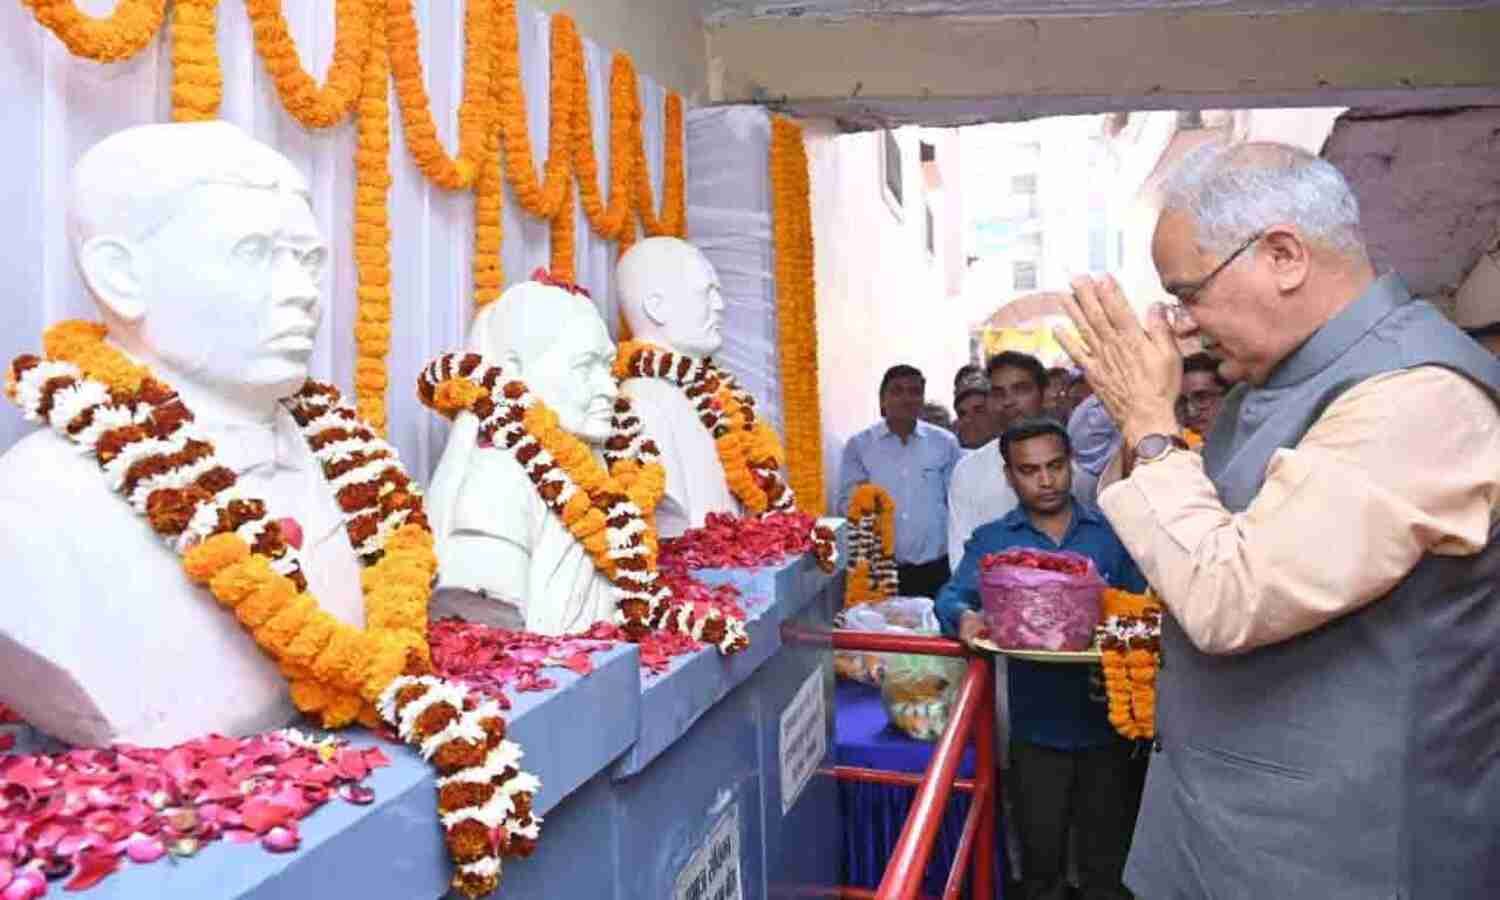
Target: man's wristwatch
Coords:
[(1152, 448)]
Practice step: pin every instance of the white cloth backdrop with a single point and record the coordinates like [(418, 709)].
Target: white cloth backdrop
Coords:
[(729, 218), (54, 106)]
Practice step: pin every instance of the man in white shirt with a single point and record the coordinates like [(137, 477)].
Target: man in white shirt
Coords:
[(978, 492)]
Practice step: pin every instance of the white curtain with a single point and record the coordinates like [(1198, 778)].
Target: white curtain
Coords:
[(729, 218), (53, 106)]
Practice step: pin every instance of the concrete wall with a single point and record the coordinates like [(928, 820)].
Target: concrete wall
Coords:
[(882, 299), (664, 37)]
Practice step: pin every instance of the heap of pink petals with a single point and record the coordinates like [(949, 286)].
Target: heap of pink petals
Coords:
[(730, 542), (80, 814)]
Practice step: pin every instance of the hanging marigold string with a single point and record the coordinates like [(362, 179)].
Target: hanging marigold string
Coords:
[(377, 38), (872, 561), (372, 232), (120, 35), (796, 313), (309, 104), (476, 111), (197, 83)]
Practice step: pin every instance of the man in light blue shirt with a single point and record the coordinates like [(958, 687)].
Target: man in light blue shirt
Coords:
[(913, 461)]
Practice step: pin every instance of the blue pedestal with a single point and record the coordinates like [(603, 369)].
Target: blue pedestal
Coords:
[(652, 788)]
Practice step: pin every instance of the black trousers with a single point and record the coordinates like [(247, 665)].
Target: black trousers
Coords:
[(1091, 790), (922, 579)]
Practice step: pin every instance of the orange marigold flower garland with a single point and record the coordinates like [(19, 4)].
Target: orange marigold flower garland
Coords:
[(748, 448), (118, 36), (872, 541), (151, 453), (1130, 655), (372, 230), (309, 104), (796, 312), (476, 111), (197, 83), (605, 511)]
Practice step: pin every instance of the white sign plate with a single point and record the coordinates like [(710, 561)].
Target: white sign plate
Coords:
[(713, 872), (804, 738)]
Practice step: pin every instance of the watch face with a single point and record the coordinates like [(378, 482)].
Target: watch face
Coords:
[(1152, 446)]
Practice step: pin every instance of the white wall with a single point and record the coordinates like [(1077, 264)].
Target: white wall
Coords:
[(665, 38), (882, 299)]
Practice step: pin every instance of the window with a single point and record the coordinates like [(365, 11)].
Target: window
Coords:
[(890, 172), (1023, 275), (1023, 184), (927, 152), (1119, 247), (931, 237)]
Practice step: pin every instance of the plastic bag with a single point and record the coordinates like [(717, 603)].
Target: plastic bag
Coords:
[(918, 693), (1050, 601), (898, 615), (916, 690)]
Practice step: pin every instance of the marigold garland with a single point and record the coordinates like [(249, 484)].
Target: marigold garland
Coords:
[(373, 37), (872, 542), (372, 229), (796, 312), (1130, 655), (145, 441), (749, 450), (118, 36), (605, 511), (311, 105), (197, 84)]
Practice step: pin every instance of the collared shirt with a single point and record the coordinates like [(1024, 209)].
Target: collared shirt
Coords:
[(979, 493), (916, 475), (1050, 704), (1399, 466)]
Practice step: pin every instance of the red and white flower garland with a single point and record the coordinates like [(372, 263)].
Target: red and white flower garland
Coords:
[(509, 415), (166, 468)]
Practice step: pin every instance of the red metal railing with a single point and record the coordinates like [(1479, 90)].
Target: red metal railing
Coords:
[(972, 716)]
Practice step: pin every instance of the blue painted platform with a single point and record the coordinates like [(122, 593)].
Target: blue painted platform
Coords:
[(638, 773)]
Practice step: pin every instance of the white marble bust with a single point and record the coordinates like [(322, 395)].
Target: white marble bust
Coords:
[(504, 558), (669, 295), (200, 248)]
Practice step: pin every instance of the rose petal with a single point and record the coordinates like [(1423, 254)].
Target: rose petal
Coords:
[(144, 849), (92, 869), (281, 840), (357, 794), (260, 814)]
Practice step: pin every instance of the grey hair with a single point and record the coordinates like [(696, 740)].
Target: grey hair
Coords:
[(1235, 191)]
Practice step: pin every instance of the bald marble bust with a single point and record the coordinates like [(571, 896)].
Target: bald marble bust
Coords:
[(669, 296)]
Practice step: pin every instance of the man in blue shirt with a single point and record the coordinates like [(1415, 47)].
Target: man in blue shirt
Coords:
[(1068, 767), (913, 461)]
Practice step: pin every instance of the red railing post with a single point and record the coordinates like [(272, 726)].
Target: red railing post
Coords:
[(971, 715), (986, 772)]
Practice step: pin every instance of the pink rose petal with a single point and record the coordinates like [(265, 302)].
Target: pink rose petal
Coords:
[(281, 840), (144, 849)]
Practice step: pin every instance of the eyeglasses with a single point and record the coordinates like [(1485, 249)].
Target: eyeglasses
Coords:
[(1187, 294)]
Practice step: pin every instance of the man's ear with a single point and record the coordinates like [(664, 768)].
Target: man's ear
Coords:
[(111, 268), (654, 306)]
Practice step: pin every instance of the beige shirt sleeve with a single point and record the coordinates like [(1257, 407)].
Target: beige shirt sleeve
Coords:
[(1399, 466)]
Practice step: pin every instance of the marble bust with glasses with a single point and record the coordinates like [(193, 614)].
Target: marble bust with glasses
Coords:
[(201, 252)]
